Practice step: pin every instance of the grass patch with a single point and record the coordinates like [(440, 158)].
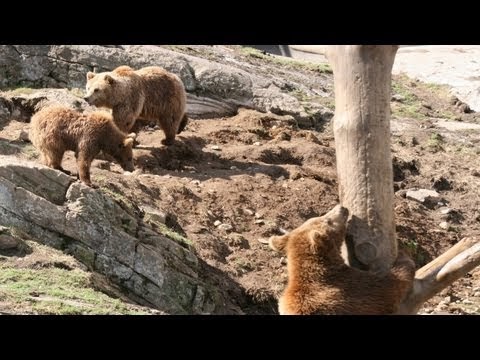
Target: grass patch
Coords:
[(322, 68), (165, 230), (56, 291), (435, 142)]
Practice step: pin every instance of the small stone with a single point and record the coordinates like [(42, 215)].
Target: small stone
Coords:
[(257, 143), (285, 185), (453, 100), (428, 310), (237, 240), (215, 147), (8, 242), (427, 106), (23, 136), (447, 300), (476, 294), (445, 211), (475, 173), (398, 98), (263, 241), (258, 216), (225, 227), (281, 178), (154, 215), (467, 302), (424, 196), (443, 225), (259, 221), (217, 223), (233, 168), (249, 212), (196, 182), (283, 260), (210, 213)]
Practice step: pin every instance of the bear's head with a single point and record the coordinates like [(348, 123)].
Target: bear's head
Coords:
[(123, 154), (320, 236), (100, 89)]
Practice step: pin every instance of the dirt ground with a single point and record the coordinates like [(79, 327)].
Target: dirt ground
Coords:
[(229, 182)]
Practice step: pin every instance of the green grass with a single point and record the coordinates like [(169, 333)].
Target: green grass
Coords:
[(288, 62), (55, 291), (435, 142), (165, 230)]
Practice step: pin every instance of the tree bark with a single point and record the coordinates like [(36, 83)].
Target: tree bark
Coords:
[(362, 80)]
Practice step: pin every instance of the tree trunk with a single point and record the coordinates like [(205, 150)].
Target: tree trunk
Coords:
[(364, 167), (362, 79)]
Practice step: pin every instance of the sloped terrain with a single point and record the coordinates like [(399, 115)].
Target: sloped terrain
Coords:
[(229, 181)]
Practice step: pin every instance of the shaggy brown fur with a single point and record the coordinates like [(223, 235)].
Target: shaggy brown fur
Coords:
[(56, 129), (151, 94), (319, 282)]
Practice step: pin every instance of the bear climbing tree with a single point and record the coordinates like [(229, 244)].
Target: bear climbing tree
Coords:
[(362, 80)]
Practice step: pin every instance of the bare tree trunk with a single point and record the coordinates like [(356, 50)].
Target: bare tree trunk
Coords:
[(362, 79)]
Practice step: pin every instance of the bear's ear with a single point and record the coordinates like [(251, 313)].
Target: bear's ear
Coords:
[(90, 75), (128, 142), (109, 79), (318, 242), (278, 243)]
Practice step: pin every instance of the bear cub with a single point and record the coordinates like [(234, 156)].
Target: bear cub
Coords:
[(56, 129)]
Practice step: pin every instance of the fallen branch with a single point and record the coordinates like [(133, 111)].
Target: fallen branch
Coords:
[(455, 263)]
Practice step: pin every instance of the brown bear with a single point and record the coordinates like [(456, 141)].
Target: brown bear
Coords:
[(151, 94), (319, 281), (56, 129)]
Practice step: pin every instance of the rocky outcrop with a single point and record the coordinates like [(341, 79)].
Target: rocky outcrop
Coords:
[(214, 89), (56, 210)]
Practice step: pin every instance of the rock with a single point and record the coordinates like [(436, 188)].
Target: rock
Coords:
[(8, 242), (87, 223), (447, 300), (238, 241), (215, 147), (217, 223), (441, 184), (475, 173), (257, 143), (476, 294), (398, 98), (225, 227), (233, 168), (445, 211), (23, 136), (249, 212), (426, 197), (259, 221), (443, 225), (283, 260), (258, 215), (214, 89), (154, 216)]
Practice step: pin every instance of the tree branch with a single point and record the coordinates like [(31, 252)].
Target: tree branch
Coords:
[(441, 272)]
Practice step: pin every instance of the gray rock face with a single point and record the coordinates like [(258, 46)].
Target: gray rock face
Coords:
[(57, 210), (215, 89)]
